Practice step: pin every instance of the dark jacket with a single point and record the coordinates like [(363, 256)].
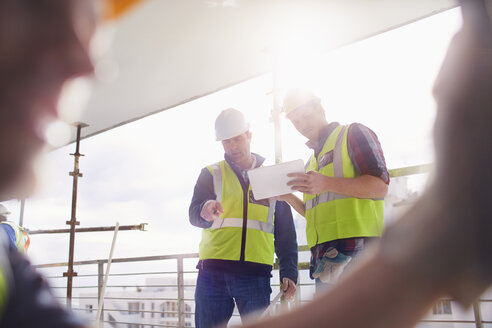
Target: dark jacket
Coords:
[(284, 234)]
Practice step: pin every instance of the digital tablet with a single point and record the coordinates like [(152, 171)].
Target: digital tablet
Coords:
[(271, 181)]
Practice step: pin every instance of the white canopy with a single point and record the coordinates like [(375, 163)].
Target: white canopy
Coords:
[(164, 53)]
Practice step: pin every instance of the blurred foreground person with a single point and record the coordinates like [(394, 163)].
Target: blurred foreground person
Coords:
[(18, 238), (43, 43), (443, 245)]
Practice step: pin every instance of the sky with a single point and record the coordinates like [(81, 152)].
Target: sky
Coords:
[(145, 171)]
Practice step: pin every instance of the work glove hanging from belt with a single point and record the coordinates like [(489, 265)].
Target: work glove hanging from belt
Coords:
[(331, 266)]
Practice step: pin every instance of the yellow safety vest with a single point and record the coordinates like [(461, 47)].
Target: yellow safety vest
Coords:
[(3, 291), (5, 277), (331, 216), (21, 237), (224, 239)]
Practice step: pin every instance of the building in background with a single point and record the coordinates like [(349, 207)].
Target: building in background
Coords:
[(132, 307)]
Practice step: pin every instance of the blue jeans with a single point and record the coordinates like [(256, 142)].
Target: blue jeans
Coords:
[(216, 293)]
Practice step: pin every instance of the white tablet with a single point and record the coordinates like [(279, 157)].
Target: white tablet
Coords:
[(271, 181)]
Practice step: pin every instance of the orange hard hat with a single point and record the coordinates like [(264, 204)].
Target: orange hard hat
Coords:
[(115, 8)]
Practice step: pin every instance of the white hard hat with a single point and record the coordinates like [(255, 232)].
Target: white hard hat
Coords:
[(295, 98), (229, 124), (4, 211)]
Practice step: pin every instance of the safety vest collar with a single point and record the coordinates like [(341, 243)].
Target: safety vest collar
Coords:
[(336, 155)]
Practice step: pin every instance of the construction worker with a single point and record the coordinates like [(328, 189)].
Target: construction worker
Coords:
[(43, 43), (239, 233), (18, 237), (344, 185)]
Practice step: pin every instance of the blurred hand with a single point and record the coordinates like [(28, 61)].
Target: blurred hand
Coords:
[(289, 288), (310, 183), (463, 125), (211, 210)]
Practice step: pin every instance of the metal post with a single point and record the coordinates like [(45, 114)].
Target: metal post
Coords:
[(73, 220), (276, 111), (283, 300), (180, 292), (100, 282), (478, 314), (21, 216), (106, 275), (297, 295)]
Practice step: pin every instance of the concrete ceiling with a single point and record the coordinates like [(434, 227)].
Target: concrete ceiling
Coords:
[(167, 52)]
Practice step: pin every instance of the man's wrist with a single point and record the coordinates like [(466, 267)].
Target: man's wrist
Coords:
[(325, 183), (291, 279)]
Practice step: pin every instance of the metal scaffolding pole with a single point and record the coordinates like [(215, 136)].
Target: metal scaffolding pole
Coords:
[(276, 110), (278, 136), (140, 227), (21, 216), (73, 220)]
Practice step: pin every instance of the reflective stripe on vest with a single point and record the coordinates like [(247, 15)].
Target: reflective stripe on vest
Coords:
[(332, 216), (224, 238), (217, 177), (238, 223)]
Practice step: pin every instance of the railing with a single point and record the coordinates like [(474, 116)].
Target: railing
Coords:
[(92, 282), (184, 317), (175, 309)]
